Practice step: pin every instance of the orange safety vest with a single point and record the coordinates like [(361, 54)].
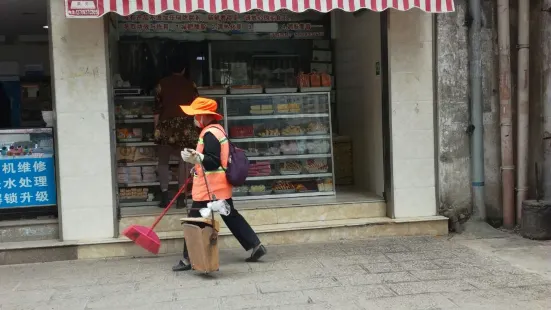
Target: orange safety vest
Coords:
[(218, 184)]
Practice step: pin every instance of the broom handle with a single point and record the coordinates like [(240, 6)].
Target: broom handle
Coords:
[(183, 188)]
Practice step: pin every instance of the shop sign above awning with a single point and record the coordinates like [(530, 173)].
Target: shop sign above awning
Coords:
[(97, 8)]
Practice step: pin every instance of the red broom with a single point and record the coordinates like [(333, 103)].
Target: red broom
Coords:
[(145, 236)]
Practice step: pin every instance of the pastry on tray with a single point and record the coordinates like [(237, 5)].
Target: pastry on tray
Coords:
[(268, 133), (292, 130), (290, 167), (316, 128), (316, 165), (283, 187)]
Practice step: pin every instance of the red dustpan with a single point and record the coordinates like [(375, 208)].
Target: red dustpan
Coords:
[(145, 236)]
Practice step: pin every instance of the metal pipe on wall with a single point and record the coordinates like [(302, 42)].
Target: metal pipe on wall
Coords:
[(522, 103), (546, 96), (505, 115), (477, 138)]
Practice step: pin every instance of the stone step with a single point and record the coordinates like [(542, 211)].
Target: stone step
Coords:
[(272, 234), (287, 233), (29, 230), (269, 215)]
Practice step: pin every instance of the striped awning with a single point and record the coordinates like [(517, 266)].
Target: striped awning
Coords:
[(97, 8)]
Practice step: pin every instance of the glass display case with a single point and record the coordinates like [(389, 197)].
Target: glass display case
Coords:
[(287, 138), (136, 152), (27, 168)]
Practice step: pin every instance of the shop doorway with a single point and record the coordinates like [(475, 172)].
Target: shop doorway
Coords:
[(27, 162), (301, 92)]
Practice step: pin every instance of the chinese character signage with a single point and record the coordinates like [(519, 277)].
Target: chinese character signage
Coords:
[(81, 8), (27, 181), (251, 25)]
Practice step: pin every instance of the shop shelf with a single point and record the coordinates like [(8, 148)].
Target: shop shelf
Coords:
[(134, 120), (145, 184), (279, 196), (136, 143), (288, 177), (138, 204), (145, 98), (276, 116), (145, 163), (286, 138), (281, 157)]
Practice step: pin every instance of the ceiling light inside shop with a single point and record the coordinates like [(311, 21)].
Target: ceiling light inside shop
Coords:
[(45, 27)]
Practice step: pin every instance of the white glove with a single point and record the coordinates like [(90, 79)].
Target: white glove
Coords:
[(192, 156)]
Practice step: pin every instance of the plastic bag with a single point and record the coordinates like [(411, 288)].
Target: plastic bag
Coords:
[(220, 206)]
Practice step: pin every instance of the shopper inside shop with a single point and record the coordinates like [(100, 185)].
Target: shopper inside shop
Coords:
[(174, 130), (212, 153)]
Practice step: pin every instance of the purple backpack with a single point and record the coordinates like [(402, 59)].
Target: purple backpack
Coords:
[(238, 165)]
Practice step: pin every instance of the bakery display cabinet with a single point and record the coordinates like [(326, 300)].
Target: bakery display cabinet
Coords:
[(136, 155), (288, 140)]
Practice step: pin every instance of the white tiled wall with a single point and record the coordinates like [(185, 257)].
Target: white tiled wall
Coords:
[(86, 189), (412, 118)]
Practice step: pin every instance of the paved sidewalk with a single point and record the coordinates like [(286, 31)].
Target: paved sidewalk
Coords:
[(385, 273)]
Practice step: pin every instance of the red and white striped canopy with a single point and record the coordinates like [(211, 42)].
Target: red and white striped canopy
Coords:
[(97, 8)]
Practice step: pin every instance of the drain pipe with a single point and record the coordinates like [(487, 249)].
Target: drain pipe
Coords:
[(546, 97), (522, 103), (477, 128), (505, 115)]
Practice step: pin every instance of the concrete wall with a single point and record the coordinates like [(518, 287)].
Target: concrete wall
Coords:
[(453, 116), (359, 94), (83, 126)]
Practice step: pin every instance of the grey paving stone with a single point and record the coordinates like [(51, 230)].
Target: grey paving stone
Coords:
[(263, 300), (488, 299), (130, 300), (215, 291), (337, 295), (354, 249), (420, 287), (419, 265), (287, 264), (192, 304), (444, 274), (507, 281), (528, 293), (320, 306), (72, 304), (328, 272), (297, 285), (378, 278), (331, 262), (15, 298), (414, 302), (254, 277), (92, 291), (421, 255)]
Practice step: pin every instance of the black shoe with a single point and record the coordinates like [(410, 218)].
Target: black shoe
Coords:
[(164, 200), (257, 254), (181, 266)]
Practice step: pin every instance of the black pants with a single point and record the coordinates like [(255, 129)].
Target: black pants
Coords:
[(235, 222)]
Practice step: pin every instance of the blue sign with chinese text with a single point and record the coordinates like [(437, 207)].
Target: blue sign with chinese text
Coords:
[(27, 181)]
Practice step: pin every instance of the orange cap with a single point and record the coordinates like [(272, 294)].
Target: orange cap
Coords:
[(202, 106)]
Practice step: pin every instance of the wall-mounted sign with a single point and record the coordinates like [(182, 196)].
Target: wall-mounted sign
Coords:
[(27, 181), (281, 25)]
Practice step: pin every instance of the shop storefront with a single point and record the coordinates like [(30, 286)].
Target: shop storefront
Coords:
[(28, 187), (316, 94)]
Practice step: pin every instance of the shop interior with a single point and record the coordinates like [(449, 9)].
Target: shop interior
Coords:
[(26, 113), (300, 92)]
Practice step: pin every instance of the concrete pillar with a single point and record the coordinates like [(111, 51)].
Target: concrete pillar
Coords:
[(80, 75), (410, 44)]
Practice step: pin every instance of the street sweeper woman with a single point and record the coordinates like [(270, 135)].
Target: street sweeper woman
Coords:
[(213, 153)]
